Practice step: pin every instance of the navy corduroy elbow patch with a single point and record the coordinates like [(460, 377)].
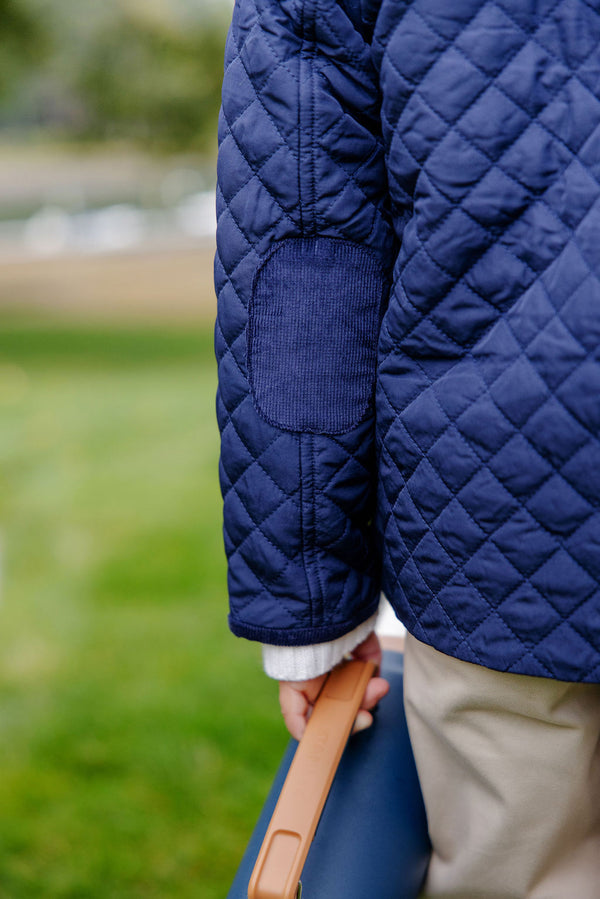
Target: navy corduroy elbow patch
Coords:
[(312, 334)]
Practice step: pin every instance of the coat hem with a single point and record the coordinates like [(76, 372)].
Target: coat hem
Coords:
[(298, 636)]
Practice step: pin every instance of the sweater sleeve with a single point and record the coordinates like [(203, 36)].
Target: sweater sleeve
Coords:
[(302, 276), (305, 662)]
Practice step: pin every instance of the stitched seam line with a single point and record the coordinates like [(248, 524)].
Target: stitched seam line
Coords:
[(421, 315), (485, 463)]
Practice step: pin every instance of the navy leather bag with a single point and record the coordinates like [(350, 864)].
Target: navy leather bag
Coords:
[(372, 838)]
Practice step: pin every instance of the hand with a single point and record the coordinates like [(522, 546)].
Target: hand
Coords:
[(298, 697)]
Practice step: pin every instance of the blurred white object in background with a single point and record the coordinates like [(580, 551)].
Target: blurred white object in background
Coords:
[(108, 230), (51, 231), (180, 182), (48, 232), (196, 215), (387, 623)]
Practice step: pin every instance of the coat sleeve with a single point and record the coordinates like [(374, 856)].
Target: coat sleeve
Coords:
[(301, 271)]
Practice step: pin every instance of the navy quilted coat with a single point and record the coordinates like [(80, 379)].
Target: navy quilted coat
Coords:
[(408, 325)]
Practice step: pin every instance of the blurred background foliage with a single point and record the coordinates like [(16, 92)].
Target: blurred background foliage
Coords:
[(137, 737), (143, 71)]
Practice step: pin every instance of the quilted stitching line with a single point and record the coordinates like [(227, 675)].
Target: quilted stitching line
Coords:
[(256, 173), (253, 173), (588, 354), (228, 351), (312, 130), (345, 462), (551, 394), (303, 540), (229, 409), (573, 153), (231, 270), (460, 567), (256, 89), (535, 38), (565, 622), (242, 604), (539, 277), (331, 499), (352, 177), (229, 348), (362, 63), (299, 134), (307, 512), (487, 463), (589, 6), (467, 346), (497, 231), (331, 546), (317, 66), (435, 58), (256, 461), (510, 437), (239, 547), (423, 316), (450, 125), (433, 597), (386, 121), (374, 137), (350, 457), (229, 341), (486, 390), (315, 550), (574, 73), (257, 526), (565, 619), (446, 45), (282, 62), (318, 548)]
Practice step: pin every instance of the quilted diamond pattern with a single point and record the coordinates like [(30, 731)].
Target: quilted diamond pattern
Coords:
[(494, 158), (297, 86), (460, 141)]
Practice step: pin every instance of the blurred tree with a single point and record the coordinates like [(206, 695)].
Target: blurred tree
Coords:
[(152, 81), (146, 71), (23, 41)]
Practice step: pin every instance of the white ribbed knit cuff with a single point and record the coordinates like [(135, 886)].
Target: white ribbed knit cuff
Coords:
[(305, 662)]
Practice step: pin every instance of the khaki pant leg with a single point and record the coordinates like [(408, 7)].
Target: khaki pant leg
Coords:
[(510, 771)]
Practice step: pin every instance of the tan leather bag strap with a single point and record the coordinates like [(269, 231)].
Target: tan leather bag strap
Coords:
[(281, 858)]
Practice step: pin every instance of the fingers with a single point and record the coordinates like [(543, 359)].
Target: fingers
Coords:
[(364, 720), (377, 688), (296, 699), (369, 650), (294, 708)]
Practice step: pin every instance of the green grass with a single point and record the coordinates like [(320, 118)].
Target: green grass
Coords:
[(137, 737)]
